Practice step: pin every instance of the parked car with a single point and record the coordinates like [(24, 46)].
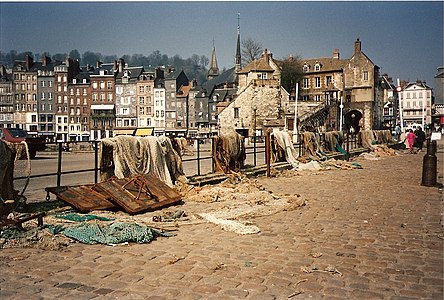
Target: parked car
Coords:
[(17, 135)]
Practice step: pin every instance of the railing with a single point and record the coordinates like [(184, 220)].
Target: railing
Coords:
[(350, 143)]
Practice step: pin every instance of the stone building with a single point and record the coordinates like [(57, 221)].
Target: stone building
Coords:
[(126, 98), (45, 99), (6, 99), (103, 110), (415, 107), (340, 93), (79, 99), (25, 94), (145, 96), (258, 95), (174, 81), (63, 75)]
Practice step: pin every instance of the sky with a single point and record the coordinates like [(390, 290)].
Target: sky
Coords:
[(405, 39)]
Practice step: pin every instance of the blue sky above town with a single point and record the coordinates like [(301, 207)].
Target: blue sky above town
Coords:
[(405, 39)]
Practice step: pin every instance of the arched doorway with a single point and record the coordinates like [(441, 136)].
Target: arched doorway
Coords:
[(351, 120)]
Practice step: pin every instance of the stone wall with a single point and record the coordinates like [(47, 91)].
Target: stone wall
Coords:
[(265, 98)]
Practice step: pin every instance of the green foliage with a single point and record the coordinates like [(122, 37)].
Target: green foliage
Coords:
[(291, 73), (194, 67)]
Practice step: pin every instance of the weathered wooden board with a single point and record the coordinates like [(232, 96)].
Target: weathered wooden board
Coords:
[(138, 194), (83, 198)]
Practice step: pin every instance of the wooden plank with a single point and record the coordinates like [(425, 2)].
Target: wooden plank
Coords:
[(83, 198), (138, 194)]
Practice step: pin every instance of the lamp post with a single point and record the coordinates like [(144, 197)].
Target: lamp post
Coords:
[(295, 123), (341, 107), (254, 134)]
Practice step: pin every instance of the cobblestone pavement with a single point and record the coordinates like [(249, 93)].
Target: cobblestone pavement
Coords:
[(371, 233)]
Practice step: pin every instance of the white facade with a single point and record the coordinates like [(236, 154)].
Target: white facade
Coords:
[(126, 103), (415, 101), (159, 109)]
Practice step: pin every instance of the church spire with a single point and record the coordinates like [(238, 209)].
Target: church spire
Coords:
[(238, 60), (213, 70)]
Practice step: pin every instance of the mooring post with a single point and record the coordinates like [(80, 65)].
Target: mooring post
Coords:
[(59, 164), (96, 161), (429, 165), (267, 152)]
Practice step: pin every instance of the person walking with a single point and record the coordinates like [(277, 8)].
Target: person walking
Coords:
[(398, 132), (420, 138), (410, 136)]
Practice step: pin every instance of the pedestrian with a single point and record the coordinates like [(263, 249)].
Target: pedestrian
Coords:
[(420, 138), (410, 136), (398, 132)]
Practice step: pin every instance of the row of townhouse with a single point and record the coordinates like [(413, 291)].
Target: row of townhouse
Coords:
[(67, 102), (63, 101)]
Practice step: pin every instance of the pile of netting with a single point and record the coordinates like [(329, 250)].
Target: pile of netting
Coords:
[(334, 141), (371, 138), (313, 146), (282, 148), (108, 234), (124, 156), (229, 152), (14, 162)]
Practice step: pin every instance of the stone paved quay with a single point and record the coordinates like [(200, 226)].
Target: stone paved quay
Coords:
[(371, 233)]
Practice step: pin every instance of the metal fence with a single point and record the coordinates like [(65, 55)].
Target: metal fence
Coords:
[(253, 152)]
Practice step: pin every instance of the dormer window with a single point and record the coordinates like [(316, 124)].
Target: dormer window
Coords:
[(306, 68), (317, 67)]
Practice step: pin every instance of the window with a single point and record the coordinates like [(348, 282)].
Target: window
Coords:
[(305, 83), (306, 68), (317, 67), (236, 112), (141, 100), (328, 80), (365, 75), (317, 98), (317, 82), (262, 75)]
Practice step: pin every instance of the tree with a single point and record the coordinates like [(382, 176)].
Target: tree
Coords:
[(91, 58), (59, 56), (204, 61), (74, 54), (251, 50), (291, 72)]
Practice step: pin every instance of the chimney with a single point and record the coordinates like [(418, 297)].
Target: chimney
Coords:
[(357, 46), (98, 64), (29, 62), (336, 54), (2, 70), (158, 73), (121, 65), (115, 66), (46, 60)]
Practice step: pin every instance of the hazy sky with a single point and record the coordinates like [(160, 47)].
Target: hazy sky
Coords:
[(405, 39)]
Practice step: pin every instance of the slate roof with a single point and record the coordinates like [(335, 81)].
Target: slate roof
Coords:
[(258, 65), (229, 76), (327, 64)]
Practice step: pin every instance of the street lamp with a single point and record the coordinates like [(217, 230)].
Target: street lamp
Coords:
[(254, 134), (341, 106)]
